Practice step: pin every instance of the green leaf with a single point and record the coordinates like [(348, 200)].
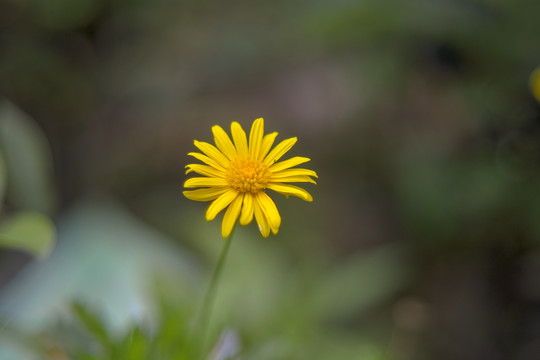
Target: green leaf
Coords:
[(93, 324), (134, 346), (28, 161), (29, 231)]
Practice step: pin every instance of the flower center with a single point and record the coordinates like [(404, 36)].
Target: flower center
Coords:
[(245, 174)]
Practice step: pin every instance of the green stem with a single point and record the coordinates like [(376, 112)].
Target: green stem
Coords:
[(208, 301)]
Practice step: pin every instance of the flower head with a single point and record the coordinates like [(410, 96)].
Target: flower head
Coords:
[(237, 174)]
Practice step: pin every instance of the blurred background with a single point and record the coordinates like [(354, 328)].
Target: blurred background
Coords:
[(423, 241)]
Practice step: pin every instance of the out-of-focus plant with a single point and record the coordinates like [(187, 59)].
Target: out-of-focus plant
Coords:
[(25, 169), (292, 324), (172, 340)]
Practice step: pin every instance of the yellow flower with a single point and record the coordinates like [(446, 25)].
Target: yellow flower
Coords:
[(237, 175), (534, 82)]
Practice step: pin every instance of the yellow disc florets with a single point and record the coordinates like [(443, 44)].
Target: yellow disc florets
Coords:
[(247, 175)]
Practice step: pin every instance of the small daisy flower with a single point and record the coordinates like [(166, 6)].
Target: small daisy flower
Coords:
[(237, 175)]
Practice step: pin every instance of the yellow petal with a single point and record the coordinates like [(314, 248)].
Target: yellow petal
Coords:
[(229, 219), (220, 203), (205, 194), (255, 138), (267, 142), (534, 82), (270, 210), (224, 143), (282, 165), (205, 170), (279, 151), (293, 172), (207, 160), (287, 190), (240, 139), (293, 179), (264, 227), (205, 182), (247, 209), (212, 152)]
